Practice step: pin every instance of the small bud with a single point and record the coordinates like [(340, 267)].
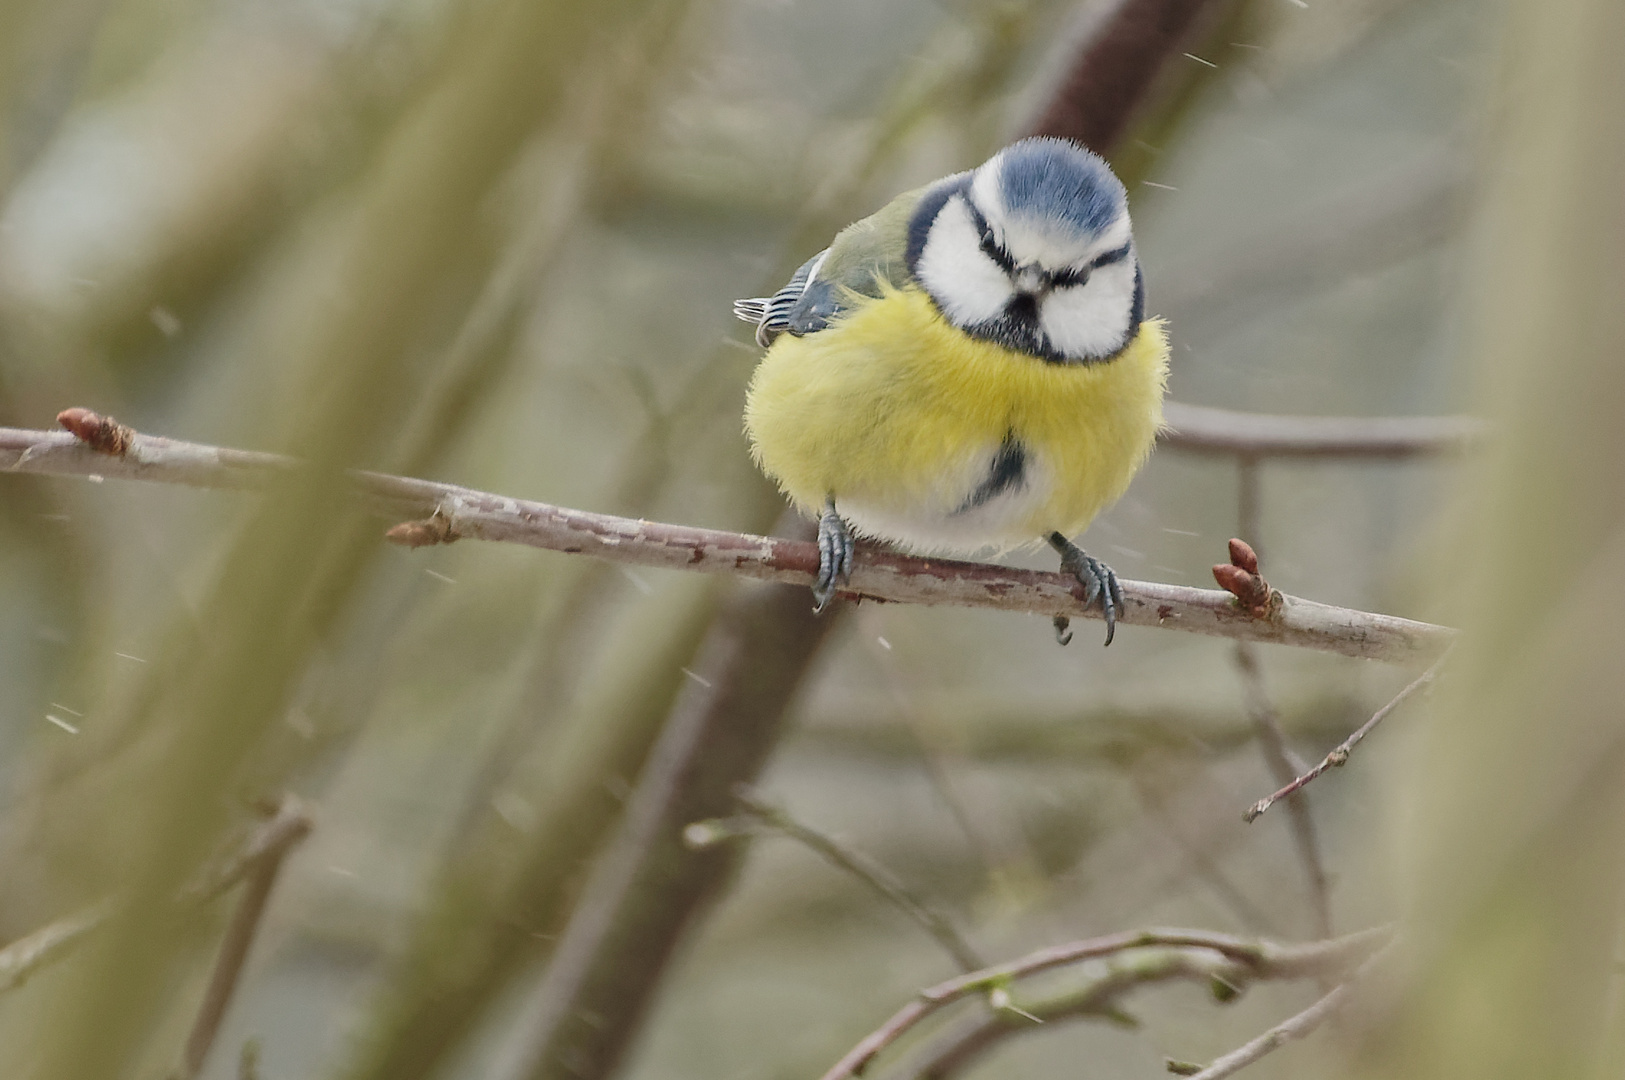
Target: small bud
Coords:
[(423, 533), (101, 433), (699, 835), (1242, 555)]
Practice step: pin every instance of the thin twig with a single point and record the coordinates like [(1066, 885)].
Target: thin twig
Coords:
[(1198, 851), (871, 873), (1294, 1028), (26, 955), (23, 957), (1259, 957), (880, 575), (1281, 762), (1099, 997), (1340, 755), (291, 824)]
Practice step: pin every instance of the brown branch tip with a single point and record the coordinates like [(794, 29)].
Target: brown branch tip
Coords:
[(1241, 579), (101, 433), (424, 532)]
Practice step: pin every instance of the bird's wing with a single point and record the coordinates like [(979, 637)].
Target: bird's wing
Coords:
[(773, 314), (863, 259)]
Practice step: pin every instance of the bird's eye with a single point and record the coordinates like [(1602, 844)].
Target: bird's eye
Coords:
[(1111, 256), (1071, 276), (994, 251)]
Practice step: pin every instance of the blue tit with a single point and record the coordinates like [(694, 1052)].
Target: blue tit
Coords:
[(970, 369)]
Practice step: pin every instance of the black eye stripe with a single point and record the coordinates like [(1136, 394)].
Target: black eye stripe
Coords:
[(1111, 256), (1073, 276), (989, 243)]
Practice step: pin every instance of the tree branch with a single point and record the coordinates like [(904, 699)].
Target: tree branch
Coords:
[(1108, 78), (1259, 959), (1284, 764), (270, 842), (1340, 755), (1294, 1028), (763, 814), (258, 864), (26, 955), (967, 1041), (880, 575), (1220, 431), (645, 885)]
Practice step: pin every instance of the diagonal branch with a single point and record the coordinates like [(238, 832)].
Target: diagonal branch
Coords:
[(1340, 754), (761, 813), (880, 575), (1260, 959), (1295, 1027), (966, 1041), (258, 865), (26, 955)]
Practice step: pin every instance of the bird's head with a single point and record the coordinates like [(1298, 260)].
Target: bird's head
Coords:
[(1033, 250)]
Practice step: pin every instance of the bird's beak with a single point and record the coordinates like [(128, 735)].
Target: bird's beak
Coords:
[(1032, 280)]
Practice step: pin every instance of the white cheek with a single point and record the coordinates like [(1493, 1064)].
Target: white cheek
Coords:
[(963, 279), (1091, 319)]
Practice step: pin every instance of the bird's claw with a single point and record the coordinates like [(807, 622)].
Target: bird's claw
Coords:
[(1063, 635), (835, 549), (1098, 580)]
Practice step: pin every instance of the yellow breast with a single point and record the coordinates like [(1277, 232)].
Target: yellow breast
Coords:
[(895, 411)]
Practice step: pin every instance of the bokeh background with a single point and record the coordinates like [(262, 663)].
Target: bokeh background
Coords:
[(496, 244)]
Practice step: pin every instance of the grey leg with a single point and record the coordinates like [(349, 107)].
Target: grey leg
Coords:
[(834, 555), (1097, 579)]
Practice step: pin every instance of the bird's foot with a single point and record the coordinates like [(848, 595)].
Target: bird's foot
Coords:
[(1098, 580), (835, 549)]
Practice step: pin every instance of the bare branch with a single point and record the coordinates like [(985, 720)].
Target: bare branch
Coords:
[(1108, 78), (288, 824), (259, 863), (1204, 430), (1261, 959), (1283, 763), (644, 886), (1099, 997), (879, 575), (856, 863), (28, 954), (1340, 755), (1295, 1028)]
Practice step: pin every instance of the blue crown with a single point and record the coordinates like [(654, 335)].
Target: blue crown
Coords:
[(1060, 182)]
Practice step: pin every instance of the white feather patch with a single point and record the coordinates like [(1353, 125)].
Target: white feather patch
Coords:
[(964, 280), (1091, 319)]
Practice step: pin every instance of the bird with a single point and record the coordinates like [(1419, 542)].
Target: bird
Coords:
[(968, 370)]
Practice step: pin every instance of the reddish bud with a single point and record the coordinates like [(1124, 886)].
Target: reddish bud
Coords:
[(101, 433), (1243, 555), (1251, 590)]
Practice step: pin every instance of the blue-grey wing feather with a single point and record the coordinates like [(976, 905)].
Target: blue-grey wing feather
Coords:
[(863, 260), (775, 314)]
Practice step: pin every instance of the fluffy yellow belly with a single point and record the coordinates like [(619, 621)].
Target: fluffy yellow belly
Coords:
[(899, 417)]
